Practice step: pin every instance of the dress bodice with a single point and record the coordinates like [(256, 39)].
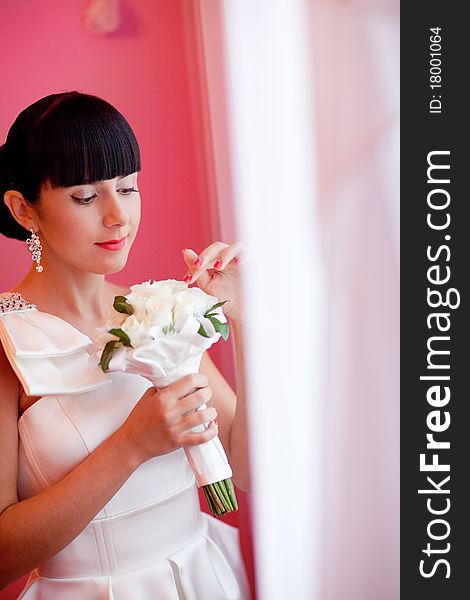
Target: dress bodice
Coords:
[(58, 432), (150, 540)]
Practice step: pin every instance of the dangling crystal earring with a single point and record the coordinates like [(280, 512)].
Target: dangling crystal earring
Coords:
[(35, 247)]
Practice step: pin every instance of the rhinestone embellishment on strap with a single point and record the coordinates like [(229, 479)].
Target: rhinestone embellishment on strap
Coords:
[(14, 303)]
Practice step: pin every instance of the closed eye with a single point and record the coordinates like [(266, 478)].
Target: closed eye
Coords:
[(89, 199), (84, 200), (128, 190)]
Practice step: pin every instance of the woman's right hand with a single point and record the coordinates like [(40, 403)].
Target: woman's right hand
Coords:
[(161, 421)]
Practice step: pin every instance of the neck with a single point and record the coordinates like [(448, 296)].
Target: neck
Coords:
[(69, 293)]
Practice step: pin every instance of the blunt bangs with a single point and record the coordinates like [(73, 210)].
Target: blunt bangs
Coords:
[(80, 143)]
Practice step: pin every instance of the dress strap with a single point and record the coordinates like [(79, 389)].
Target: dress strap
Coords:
[(48, 355)]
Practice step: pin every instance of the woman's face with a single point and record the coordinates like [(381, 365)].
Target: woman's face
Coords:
[(91, 226)]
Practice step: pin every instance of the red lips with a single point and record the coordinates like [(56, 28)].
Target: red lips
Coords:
[(112, 245)]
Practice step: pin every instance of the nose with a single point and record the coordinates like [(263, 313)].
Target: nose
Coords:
[(115, 214)]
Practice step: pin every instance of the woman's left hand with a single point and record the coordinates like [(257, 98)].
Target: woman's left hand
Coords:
[(216, 270)]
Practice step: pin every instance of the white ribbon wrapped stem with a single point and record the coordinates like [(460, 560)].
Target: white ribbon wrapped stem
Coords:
[(208, 460), (165, 361)]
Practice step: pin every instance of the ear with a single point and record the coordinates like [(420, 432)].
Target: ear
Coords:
[(20, 209)]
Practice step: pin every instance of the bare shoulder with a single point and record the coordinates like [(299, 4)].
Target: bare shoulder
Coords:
[(8, 379), (9, 393)]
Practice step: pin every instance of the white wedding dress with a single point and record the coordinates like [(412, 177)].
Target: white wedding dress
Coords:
[(150, 541)]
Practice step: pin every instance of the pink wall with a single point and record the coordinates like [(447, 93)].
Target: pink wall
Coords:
[(142, 71), (146, 69)]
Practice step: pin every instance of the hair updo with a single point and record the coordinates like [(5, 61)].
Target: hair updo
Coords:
[(63, 139)]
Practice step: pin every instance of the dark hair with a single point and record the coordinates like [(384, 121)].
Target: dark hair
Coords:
[(63, 140)]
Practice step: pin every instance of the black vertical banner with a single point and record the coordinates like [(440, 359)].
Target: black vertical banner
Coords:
[(435, 305)]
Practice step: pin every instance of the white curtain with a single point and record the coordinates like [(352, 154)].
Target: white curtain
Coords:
[(356, 65), (312, 104)]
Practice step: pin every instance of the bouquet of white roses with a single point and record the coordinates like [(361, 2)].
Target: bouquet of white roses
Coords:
[(160, 331)]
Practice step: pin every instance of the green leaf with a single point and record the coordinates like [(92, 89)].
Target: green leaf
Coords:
[(215, 306), (122, 305), (221, 328), (122, 335), (202, 332), (107, 354), (224, 331)]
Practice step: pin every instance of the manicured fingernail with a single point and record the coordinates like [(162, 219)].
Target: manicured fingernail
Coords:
[(183, 250), (239, 259), (197, 261), (187, 278), (217, 263)]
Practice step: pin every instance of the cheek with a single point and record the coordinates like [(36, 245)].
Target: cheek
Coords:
[(67, 229), (135, 216)]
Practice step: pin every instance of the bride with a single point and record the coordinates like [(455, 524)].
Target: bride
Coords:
[(96, 496)]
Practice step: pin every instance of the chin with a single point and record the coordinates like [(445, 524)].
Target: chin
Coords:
[(109, 267)]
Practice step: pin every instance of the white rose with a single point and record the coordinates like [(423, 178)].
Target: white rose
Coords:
[(155, 332), (136, 330), (164, 304), (183, 311), (163, 289), (159, 312), (139, 289), (177, 286), (138, 304), (200, 300)]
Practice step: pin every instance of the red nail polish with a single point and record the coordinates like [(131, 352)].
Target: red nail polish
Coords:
[(217, 263), (197, 262), (187, 278)]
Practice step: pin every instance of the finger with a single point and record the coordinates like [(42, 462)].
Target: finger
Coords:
[(186, 385), (203, 279), (198, 418), (178, 408), (235, 251), (193, 439), (189, 257), (216, 256), (202, 262), (210, 253), (190, 403)]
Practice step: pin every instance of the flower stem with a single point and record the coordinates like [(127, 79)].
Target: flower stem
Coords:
[(223, 494), (221, 497)]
